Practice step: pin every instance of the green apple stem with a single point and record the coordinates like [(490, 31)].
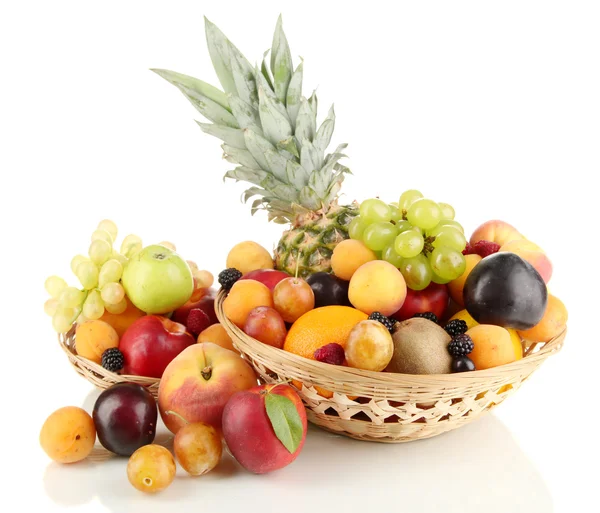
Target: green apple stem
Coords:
[(181, 417)]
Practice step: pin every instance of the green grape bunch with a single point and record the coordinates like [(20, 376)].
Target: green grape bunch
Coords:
[(99, 275), (417, 235)]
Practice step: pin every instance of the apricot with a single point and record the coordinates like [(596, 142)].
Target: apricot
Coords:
[(245, 296), (552, 324), (377, 286), (455, 287), (249, 256), (120, 322), (533, 254), (348, 256), (68, 435), (493, 346), (92, 338), (217, 335)]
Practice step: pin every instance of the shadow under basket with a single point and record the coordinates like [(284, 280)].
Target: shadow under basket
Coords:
[(95, 373), (383, 406)]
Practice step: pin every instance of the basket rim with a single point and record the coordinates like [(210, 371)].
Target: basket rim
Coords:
[(383, 378)]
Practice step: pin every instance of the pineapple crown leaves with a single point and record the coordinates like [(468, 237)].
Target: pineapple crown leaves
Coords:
[(269, 130)]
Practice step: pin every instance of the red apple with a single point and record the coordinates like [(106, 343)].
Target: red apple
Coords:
[(433, 298), (265, 427), (268, 277), (206, 303), (151, 343)]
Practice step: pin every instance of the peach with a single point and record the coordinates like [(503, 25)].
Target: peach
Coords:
[(531, 252), (552, 324), (455, 287), (217, 335), (377, 286), (198, 383), (496, 231), (265, 427)]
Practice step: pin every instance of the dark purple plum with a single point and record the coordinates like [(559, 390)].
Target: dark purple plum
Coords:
[(125, 416), (328, 289)]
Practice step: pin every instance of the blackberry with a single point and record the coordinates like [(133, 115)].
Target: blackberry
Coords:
[(228, 277), (456, 327), (461, 345), (427, 315), (113, 360), (386, 321)]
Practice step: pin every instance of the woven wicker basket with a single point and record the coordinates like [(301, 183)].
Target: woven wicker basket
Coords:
[(96, 374), (382, 406)]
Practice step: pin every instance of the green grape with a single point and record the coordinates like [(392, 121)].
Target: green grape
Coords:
[(110, 227), (129, 241), (447, 211), (403, 225), (133, 250), (416, 272), (389, 255), (396, 213), (118, 308), (407, 198), (122, 259), (451, 237), (102, 235), (440, 281), (447, 263), (375, 210), (112, 293), (93, 307), (379, 235), (63, 319), (409, 243), (110, 272), (50, 306), (356, 228), (54, 285), (77, 260), (424, 213), (87, 274), (72, 297), (445, 222), (100, 251)]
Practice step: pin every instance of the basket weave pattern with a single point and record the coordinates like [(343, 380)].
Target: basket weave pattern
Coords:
[(96, 374), (387, 407)]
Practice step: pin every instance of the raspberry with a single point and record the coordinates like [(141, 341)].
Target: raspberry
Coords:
[(197, 321), (330, 353), (468, 249), (485, 248)]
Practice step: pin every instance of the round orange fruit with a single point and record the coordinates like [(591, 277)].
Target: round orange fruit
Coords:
[(321, 326)]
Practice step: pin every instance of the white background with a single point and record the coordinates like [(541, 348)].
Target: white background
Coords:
[(493, 107)]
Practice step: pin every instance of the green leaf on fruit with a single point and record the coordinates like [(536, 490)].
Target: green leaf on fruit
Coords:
[(285, 420)]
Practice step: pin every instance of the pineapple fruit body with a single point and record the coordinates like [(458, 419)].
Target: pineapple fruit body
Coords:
[(306, 248)]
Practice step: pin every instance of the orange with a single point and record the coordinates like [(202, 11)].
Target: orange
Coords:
[(321, 326), (493, 346), (120, 322), (552, 323), (217, 335), (455, 287)]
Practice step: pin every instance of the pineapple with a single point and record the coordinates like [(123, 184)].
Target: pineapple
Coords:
[(269, 131)]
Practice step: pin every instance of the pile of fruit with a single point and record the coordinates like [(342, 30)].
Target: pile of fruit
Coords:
[(374, 285)]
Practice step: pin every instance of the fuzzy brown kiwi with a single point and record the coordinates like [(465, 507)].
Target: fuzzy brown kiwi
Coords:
[(420, 347)]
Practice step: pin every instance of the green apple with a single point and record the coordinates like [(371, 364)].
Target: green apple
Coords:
[(157, 280)]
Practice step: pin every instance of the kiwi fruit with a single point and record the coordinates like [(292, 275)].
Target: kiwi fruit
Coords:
[(420, 347)]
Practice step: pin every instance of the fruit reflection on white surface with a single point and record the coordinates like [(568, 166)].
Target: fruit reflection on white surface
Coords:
[(479, 467)]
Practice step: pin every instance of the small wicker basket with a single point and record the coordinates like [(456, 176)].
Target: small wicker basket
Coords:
[(96, 374), (382, 406)]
